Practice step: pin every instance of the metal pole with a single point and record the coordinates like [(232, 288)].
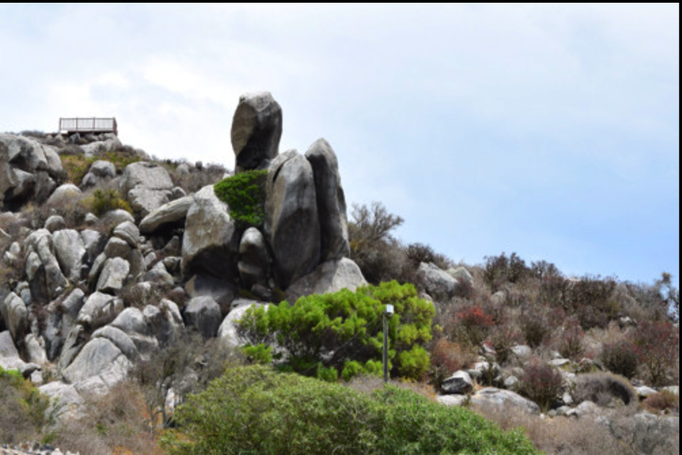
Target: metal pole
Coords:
[(385, 348)]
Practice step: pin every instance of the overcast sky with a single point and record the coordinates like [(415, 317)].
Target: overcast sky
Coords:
[(551, 131)]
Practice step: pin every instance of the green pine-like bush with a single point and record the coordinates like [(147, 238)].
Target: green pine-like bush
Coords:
[(255, 410), (345, 326), (244, 193)]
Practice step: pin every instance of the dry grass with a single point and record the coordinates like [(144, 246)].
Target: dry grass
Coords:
[(112, 423)]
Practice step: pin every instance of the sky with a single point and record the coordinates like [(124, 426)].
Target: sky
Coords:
[(551, 131)]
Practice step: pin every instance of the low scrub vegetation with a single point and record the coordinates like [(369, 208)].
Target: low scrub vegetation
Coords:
[(22, 409), (252, 410)]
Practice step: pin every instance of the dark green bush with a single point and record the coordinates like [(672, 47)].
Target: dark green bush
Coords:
[(254, 410), (107, 200), (244, 193), (346, 326)]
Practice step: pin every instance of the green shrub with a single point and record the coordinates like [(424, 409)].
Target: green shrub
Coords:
[(107, 200), (22, 408), (335, 328), (254, 410), (244, 193)]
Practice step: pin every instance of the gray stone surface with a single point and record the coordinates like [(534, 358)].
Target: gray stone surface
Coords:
[(331, 201), (63, 194), (129, 232), (462, 275), (9, 356), (292, 225), (120, 339), (438, 283), (331, 276), (147, 186), (205, 285), (70, 252), (99, 307), (203, 313), (503, 400), (211, 240), (113, 276), (167, 215), (227, 332), (256, 130), (15, 315), (55, 223), (459, 383), (96, 357), (254, 259)]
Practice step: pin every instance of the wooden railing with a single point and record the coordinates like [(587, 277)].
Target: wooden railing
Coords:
[(88, 125)]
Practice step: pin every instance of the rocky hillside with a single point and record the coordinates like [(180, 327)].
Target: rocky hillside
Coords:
[(109, 257)]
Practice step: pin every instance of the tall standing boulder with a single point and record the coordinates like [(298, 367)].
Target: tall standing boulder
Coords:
[(211, 240), (256, 130), (331, 202), (292, 224)]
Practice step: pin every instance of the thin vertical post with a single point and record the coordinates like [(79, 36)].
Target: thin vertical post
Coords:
[(385, 347)]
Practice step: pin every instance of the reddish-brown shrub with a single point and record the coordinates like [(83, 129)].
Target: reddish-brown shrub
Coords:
[(541, 383), (502, 339), (662, 401), (570, 343), (658, 348), (446, 358), (471, 325), (534, 327), (621, 358)]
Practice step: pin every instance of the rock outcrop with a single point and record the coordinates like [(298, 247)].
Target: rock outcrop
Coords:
[(256, 130), (292, 225)]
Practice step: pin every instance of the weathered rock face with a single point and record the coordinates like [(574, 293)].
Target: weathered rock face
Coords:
[(504, 399), (256, 130), (147, 186), (96, 357), (63, 194), (42, 268), (203, 313), (167, 215), (438, 283), (113, 276), (330, 276), (15, 315), (70, 252), (331, 202), (202, 285), (254, 260), (228, 328), (211, 240), (292, 225), (99, 307), (459, 383), (26, 168), (9, 356)]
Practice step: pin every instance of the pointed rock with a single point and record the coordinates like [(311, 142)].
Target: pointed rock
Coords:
[(256, 130), (292, 225), (331, 202)]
